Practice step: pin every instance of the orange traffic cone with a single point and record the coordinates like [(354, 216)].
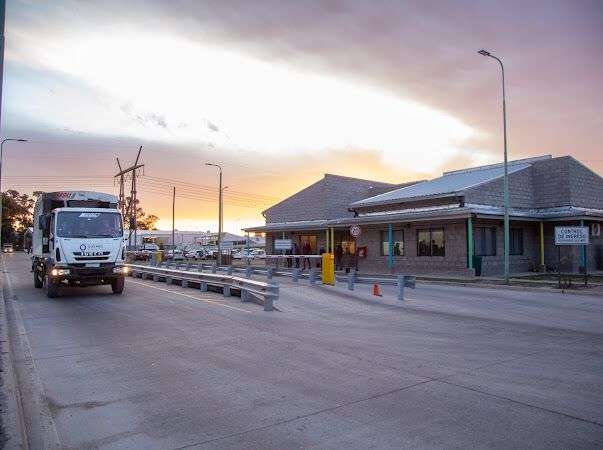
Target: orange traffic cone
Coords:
[(377, 290)]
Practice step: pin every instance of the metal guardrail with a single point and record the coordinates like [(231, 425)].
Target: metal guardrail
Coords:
[(249, 289), (401, 281), (313, 275)]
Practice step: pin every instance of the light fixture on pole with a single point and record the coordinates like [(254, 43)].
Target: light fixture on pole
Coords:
[(220, 211), (506, 176), (1, 197)]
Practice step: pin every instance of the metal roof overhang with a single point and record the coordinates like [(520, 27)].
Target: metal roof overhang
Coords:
[(447, 214)]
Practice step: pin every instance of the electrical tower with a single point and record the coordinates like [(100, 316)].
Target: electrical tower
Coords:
[(129, 208)]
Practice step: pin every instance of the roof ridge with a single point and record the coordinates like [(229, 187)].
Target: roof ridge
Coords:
[(494, 166), (358, 179)]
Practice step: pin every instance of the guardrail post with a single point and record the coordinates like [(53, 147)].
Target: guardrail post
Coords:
[(271, 296), (270, 273), (168, 280), (248, 272), (401, 287), (184, 283), (229, 270), (244, 296), (188, 266), (295, 275), (350, 281), (214, 268), (226, 291), (312, 276), (155, 277), (203, 286)]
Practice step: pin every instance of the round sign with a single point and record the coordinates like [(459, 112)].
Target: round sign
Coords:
[(355, 231)]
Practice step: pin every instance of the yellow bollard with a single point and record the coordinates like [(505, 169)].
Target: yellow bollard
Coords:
[(328, 269)]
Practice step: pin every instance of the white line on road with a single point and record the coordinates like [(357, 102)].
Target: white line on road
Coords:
[(189, 296)]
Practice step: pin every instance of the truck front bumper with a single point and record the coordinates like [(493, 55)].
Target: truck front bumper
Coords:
[(103, 274)]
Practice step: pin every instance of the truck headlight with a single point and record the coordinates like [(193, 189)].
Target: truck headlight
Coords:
[(121, 269), (59, 272)]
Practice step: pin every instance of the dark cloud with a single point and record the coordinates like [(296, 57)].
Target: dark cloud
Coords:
[(424, 50)]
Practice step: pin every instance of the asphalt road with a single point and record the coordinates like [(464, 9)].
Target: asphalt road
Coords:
[(166, 367)]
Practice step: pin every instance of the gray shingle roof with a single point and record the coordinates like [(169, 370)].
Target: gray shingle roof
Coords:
[(449, 183)]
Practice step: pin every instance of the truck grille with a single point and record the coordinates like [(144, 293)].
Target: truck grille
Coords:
[(101, 256)]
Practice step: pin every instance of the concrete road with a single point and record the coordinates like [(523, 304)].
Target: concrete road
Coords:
[(166, 367)]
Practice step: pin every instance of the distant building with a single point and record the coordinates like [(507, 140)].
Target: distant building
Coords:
[(193, 238), (426, 227)]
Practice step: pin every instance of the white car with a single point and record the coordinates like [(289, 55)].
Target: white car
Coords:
[(175, 255)]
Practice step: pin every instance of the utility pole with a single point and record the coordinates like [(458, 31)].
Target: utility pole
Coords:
[(122, 198), (131, 208), (220, 210), (173, 220)]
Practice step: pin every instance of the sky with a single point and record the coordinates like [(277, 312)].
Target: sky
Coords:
[(280, 92)]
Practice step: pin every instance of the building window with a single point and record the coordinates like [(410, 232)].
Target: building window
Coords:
[(516, 241), (430, 242), (398, 240), (307, 244), (484, 240), (348, 247)]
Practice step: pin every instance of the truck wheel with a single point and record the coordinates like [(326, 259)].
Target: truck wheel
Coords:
[(38, 279), (52, 288), (117, 285)]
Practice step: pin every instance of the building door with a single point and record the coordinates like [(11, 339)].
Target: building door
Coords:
[(307, 244)]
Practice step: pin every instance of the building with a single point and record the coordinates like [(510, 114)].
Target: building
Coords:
[(452, 224), (186, 239)]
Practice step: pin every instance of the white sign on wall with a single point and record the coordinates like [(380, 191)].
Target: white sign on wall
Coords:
[(571, 235), (282, 244), (355, 231)]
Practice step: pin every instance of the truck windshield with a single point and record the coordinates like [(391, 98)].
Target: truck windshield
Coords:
[(88, 224)]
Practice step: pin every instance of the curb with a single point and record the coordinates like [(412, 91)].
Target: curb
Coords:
[(13, 426), (34, 425)]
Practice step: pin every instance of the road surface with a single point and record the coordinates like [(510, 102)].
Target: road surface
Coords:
[(166, 367)]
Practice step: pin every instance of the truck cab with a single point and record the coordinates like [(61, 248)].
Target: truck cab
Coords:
[(77, 245)]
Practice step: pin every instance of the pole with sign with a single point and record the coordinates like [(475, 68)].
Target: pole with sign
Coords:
[(570, 236), (355, 232)]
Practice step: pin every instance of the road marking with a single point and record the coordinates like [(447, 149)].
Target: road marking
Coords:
[(190, 296)]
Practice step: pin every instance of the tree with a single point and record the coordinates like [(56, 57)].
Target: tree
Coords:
[(17, 215), (143, 221)]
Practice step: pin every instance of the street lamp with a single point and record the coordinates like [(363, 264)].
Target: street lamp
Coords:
[(1, 196), (220, 211), (506, 177)]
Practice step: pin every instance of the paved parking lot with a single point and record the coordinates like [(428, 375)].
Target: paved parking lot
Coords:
[(166, 367)]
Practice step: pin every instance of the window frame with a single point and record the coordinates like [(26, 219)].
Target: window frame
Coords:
[(511, 246), (483, 237), (430, 231), (385, 240)]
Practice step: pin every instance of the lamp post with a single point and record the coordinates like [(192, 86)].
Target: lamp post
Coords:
[(1, 196), (173, 221), (220, 211), (506, 177)]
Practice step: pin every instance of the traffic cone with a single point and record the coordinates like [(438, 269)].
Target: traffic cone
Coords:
[(377, 290)]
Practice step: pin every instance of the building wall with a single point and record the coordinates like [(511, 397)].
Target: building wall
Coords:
[(570, 255), (521, 191), (328, 198), (586, 187), (527, 262), (454, 262), (551, 182)]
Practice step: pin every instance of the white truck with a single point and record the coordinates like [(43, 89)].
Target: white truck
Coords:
[(77, 241)]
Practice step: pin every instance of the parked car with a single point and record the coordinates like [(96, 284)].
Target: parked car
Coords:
[(7, 248), (175, 255), (197, 254)]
